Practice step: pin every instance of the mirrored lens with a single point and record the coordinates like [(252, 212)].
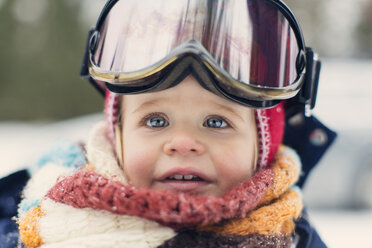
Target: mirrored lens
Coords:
[(251, 40)]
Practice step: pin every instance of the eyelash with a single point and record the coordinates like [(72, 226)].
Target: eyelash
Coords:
[(144, 121), (228, 124), (148, 117)]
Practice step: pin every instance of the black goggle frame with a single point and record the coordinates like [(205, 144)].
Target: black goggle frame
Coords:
[(303, 102)]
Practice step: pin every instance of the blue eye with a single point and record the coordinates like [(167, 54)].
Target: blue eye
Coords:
[(157, 122), (215, 122)]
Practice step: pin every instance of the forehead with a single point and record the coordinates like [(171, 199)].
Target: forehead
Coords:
[(187, 91), (188, 95)]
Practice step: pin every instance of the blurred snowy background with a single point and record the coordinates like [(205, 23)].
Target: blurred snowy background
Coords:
[(42, 98)]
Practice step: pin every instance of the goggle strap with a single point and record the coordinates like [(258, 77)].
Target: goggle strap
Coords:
[(318, 66), (305, 100), (310, 87), (84, 70)]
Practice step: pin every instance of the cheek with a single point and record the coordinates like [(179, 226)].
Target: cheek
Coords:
[(235, 164), (138, 165)]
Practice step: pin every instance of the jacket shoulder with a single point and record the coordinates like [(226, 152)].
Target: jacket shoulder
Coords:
[(308, 236), (10, 195), (17, 192)]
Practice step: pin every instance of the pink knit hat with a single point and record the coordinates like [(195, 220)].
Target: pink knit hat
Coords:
[(270, 126)]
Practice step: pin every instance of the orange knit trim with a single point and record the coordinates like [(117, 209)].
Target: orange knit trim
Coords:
[(28, 228), (274, 219), (286, 173)]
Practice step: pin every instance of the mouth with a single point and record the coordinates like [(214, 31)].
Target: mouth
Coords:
[(179, 177), (186, 180)]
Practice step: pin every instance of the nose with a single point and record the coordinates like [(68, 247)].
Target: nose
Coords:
[(183, 144)]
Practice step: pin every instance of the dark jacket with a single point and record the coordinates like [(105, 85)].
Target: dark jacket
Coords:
[(10, 196)]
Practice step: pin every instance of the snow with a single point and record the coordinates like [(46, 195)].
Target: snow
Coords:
[(21, 144), (344, 104), (343, 228), (345, 94)]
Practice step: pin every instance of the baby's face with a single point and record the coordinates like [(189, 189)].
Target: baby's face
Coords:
[(186, 139)]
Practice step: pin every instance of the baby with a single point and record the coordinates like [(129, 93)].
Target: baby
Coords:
[(186, 139), (191, 153)]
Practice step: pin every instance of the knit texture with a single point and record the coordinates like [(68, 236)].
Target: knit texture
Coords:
[(278, 208), (87, 189), (79, 210), (273, 219), (270, 129), (29, 230), (193, 239)]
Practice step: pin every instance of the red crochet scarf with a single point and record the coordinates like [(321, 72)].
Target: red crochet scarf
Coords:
[(88, 189)]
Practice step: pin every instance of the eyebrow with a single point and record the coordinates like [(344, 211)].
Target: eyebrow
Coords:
[(152, 102), (229, 110), (148, 103)]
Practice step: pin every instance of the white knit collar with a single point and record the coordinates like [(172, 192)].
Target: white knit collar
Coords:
[(100, 154)]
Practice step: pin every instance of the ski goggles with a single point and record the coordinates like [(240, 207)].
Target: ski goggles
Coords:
[(248, 51)]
